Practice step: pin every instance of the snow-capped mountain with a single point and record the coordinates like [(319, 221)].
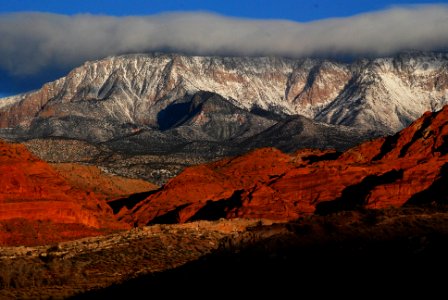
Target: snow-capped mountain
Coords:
[(389, 93), (383, 94), (149, 116)]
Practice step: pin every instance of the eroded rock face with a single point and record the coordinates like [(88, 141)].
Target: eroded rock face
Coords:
[(105, 186), (383, 94), (32, 190), (184, 110), (407, 168)]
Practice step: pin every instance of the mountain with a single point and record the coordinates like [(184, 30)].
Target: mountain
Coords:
[(38, 206), (197, 129), (161, 112), (405, 169), (383, 93)]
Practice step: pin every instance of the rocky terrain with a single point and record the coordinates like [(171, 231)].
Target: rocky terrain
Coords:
[(253, 257), (31, 189), (156, 168), (40, 203), (139, 90), (161, 112), (408, 168), (206, 128), (393, 252), (291, 204), (106, 186), (64, 269)]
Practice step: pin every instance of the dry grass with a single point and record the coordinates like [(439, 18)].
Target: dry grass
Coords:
[(65, 269), (314, 249)]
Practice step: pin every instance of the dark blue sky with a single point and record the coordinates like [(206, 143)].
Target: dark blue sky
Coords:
[(301, 11), (294, 10)]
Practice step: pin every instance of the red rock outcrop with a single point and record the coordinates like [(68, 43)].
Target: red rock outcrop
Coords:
[(32, 190), (407, 168), (105, 186)]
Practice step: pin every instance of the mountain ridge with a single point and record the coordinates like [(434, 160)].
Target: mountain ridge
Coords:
[(145, 83), (34, 196), (405, 169), (211, 107)]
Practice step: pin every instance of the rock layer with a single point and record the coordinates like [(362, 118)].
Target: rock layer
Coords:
[(32, 190), (184, 110), (381, 94), (105, 186), (135, 106), (407, 168)]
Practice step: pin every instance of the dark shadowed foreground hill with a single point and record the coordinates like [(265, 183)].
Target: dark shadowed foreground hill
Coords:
[(374, 252)]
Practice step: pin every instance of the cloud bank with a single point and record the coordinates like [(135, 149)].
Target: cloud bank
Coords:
[(33, 43)]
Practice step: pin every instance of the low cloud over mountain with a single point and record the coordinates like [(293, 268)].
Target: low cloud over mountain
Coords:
[(37, 45)]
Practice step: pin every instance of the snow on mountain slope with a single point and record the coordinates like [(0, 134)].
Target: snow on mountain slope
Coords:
[(11, 100), (383, 94), (387, 94)]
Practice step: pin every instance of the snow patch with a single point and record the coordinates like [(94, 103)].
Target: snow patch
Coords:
[(11, 100)]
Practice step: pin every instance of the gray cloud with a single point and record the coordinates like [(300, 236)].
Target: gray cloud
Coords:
[(33, 42)]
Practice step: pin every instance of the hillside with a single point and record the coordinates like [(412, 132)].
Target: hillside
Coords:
[(408, 168), (161, 112), (38, 206)]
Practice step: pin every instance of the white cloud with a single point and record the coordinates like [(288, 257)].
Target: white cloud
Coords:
[(31, 42)]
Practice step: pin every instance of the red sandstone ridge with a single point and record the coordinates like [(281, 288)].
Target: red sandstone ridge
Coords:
[(407, 168), (105, 186), (33, 191)]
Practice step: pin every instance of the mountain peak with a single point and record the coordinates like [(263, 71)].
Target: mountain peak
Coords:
[(385, 94), (145, 104)]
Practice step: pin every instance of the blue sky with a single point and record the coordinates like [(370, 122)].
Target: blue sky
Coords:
[(37, 47), (296, 10)]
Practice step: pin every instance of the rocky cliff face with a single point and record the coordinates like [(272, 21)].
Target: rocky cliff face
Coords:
[(408, 168), (201, 128), (105, 186), (384, 93), (32, 190), (158, 113)]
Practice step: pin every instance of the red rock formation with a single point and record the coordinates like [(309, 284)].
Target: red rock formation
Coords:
[(407, 168), (32, 190), (105, 186), (212, 182)]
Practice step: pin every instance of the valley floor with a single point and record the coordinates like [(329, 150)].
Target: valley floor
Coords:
[(398, 250), (68, 268)]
